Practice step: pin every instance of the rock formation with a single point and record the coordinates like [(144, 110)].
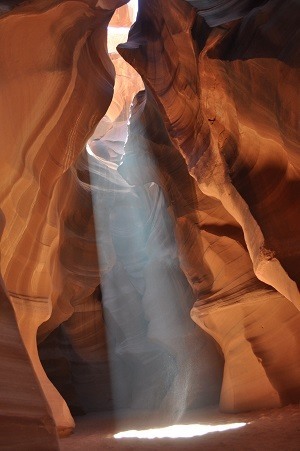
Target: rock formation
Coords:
[(191, 211), (57, 83), (153, 345), (226, 95), (25, 415)]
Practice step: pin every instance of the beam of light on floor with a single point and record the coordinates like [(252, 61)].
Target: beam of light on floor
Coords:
[(178, 431)]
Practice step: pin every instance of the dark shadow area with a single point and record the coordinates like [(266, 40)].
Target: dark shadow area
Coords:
[(252, 37)]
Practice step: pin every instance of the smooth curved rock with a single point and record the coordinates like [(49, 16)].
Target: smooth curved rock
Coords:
[(25, 416), (57, 83), (201, 217), (226, 96), (218, 12)]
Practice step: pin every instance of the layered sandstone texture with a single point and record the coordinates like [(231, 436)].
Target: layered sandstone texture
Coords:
[(158, 358), (56, 84), (191, 211), (224, 80)]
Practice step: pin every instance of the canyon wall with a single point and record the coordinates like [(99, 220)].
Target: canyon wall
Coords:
[(56, 88), (192, 211), (159, 359), (226, 90), (56, 84)]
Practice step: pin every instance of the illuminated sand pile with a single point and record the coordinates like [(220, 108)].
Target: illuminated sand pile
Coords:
[(190, 212)]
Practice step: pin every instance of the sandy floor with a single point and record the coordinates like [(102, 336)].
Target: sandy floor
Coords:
[(277, 429)]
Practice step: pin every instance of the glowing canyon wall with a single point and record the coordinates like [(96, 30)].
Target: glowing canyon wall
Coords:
[(227, 95), (165, 261), (56, 84)]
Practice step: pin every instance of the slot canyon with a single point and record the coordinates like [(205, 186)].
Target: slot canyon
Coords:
[(150, 224)]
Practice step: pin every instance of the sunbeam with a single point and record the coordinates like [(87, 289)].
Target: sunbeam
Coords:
[(146, 297)]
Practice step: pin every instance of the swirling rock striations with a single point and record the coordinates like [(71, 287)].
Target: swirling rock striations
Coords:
[(153, 344), (56, 84), (227, 96), (218, 12), (110, 134), (75, 353), (25, 417), (206, 194)]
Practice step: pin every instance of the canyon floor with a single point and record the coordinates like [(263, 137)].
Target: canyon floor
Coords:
[(276, 429)]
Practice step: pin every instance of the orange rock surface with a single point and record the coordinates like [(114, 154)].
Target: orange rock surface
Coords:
[(57, 83), (227, 96), (191, 212)]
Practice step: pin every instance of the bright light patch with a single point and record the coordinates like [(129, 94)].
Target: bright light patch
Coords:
[(116, 35), (179, 431), (135, 5), (118, 30)]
